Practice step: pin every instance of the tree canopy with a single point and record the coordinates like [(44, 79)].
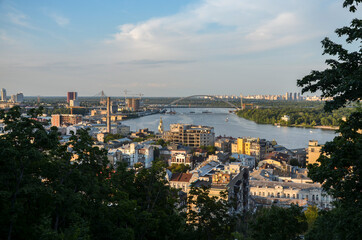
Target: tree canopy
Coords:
[(341, 160)]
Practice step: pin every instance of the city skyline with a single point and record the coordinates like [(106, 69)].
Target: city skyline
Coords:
[(179, 49)]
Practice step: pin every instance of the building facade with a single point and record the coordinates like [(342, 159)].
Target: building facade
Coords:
[(314, 151), (190, 135), (291, 192), (180, 157), (66, 119), (71, 96), (3, 95)]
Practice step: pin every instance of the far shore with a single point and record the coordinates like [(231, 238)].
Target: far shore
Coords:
[(327, 127)]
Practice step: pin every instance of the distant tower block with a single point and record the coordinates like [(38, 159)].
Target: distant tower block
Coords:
[(71, 96), (108, 115)]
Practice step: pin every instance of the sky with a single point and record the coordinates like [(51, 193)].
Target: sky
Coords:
[(163, 47)]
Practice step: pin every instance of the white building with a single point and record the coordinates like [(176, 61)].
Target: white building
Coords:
[(285, 118), (3, 95), (180, 157), (290, 191), (246, 160), (137, 153)]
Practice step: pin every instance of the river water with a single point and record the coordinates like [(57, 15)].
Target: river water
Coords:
[(229, 124)]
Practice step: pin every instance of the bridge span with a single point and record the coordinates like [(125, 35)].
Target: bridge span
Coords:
[(210, 96)]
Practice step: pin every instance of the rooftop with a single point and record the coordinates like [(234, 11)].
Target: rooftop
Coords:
[(181, 177)]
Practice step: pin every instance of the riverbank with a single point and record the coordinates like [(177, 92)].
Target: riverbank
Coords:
[(290, 137), (331, 128)]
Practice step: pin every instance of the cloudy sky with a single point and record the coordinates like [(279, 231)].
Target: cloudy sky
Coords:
[(163, 47)]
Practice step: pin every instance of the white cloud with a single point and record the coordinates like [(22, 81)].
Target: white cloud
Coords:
[(60, 20), (18, 18), (214, 28)]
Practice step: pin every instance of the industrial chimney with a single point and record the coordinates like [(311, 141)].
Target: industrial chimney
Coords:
[(108, 115)]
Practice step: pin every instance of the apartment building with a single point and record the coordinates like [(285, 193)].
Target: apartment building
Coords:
[(190, 135), (66, 119)]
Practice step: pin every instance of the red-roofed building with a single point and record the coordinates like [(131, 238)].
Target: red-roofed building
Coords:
[(181, 181)]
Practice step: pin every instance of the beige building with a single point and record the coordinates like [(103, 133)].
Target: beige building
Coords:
[(181, 181), (293, 192), (66, 119), (190, 135), (314, 151)]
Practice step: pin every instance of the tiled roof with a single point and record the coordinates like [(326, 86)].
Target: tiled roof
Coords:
[(181, 177)]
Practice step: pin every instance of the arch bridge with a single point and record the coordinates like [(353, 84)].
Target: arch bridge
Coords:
[(210, 96)]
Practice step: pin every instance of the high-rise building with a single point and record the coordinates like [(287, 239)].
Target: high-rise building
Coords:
[(3, 94), (133, 104), (72, 96), (17, 98), (286, 96), (299, 97), (67, 119), (190, 135), (295, 97), (290, 96)]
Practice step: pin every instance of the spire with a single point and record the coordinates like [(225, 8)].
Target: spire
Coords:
[(160, 126)]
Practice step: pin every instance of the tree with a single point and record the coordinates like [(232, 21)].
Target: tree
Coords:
[(70, 191), (110, 137), (311, 215), (209, 216), (342, 80), (277, 223), (338, 223), (340, 165), (24, 149), (179, 168), (341, 160)]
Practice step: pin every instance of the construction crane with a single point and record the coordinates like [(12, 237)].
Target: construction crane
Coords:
[(140, 94), (125, 94), (103, 97)]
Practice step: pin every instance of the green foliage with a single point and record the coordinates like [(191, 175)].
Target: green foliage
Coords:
[(179, 168), (210, 149), (53, 191), (342, 222), (299, 116), (341, 162), (278, 223), (161, 142), (311, 215), (342, 80), (209, 216), (139, 139), (340, 169), (110, 137)]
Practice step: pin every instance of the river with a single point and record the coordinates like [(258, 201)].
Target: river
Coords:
[(229, 124)]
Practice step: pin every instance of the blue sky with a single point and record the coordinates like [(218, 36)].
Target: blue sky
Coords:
[(163, 48)]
